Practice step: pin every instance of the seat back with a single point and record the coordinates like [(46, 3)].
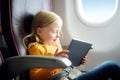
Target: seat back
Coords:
[(4, 75), (1, 64), (16, 20), (16, 17)]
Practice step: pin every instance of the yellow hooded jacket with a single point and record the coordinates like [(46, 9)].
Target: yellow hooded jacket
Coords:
[(43, 50)]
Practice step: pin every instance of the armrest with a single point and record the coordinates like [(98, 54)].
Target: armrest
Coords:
[(18, 64)]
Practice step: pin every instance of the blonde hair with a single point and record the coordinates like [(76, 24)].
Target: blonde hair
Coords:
[(41, 19)]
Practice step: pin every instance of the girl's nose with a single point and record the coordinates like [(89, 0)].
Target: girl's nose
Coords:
[(58, 35)]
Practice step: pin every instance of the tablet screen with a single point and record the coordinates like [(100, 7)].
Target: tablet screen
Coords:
[(78, 50)]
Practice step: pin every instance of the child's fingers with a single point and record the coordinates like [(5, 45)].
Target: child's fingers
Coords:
[(61, 53), (56, 51), (65, 51)]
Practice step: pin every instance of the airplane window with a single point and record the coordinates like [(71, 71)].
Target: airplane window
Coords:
[(96, 11)]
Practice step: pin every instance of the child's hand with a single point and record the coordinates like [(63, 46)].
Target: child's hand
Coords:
[(84, 59), (61, 53)]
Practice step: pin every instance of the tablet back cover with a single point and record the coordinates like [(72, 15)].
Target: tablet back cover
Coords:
[(78, 50)]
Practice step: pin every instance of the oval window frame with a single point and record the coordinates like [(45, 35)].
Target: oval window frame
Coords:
[(95, 24)]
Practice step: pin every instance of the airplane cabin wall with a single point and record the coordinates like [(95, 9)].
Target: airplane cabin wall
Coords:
[(104, 37)]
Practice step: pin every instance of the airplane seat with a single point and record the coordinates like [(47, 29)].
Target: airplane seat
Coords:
[(12, 32), (14, 15), (3, 68)]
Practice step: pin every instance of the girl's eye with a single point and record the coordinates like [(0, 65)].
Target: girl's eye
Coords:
[(53, 31), (56, 32)]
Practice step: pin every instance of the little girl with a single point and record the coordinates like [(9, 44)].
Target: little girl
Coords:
[(46, 28)]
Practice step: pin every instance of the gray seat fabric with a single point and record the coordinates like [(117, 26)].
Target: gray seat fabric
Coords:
[(4, 74)]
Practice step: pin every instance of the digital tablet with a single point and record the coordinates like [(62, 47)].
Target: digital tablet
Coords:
[(78, 50)]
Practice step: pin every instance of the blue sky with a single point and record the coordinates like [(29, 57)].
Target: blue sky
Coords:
[(98, 9)]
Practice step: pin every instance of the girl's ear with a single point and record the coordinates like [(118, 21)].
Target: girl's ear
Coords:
[(38, 30)]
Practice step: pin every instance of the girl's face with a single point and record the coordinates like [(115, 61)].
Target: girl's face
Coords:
[(50, 33)]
